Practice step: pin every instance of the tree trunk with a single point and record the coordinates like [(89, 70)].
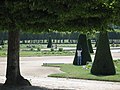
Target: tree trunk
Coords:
[(82, 45), (103, 62), (13, 75)]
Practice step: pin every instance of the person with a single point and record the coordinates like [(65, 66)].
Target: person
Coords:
[(79, 62)]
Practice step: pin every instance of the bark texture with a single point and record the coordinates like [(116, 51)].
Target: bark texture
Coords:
[(13, 75)]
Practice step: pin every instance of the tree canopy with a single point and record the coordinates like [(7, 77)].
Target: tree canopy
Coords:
[(116, 12), (61, 15), (18, 14)]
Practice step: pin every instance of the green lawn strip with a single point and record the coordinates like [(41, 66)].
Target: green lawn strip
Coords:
[(80, 72), (45, 53), (52, 65), (39, 53)]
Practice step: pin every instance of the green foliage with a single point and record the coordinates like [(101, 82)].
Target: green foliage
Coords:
[(49, 42), (82, 45), (60, 49), (117, 45), (88, 65), (90, 46), (52, 49), (40, 16), (0, 47), (116, 6), (38, 49), (103, 62), (31, 49)]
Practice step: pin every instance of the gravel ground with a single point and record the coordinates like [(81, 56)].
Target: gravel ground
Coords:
[(32, 70)]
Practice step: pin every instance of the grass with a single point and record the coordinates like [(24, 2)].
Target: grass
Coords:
[(3, 53), (39, 50), (29, 53), (83, 72), (45, 53), (27, 50)]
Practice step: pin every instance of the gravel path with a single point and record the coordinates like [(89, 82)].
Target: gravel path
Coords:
[(32, 70)]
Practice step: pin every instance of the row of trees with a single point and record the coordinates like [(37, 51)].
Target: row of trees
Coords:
[(58, 15), (56, 35)]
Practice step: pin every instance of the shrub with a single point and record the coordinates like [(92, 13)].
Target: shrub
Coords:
[(117, 45), (103, 62), (112, 45), (82, 45), (52, 49), (33, 46), (38, 49), (60, 49), (31, 49), (1, 47)]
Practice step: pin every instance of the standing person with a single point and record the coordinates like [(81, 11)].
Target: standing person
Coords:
[(79, 61)]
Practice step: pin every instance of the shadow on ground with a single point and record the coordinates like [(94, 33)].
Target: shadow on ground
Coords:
[(24, 88)]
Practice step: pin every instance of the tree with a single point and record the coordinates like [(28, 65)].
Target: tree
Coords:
[(19, 15), (82, 45), (13, 70), (84, 16), (103, 62), (95, 15), (7, 22), (90, 46), (49, 42), (116, 15), (27, 15)]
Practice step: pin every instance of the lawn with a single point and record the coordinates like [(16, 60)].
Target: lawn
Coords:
[(83, 72), (45, 53), (29, 53), (27, 50)]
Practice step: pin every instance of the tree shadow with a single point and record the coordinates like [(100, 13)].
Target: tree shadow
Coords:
[(2, 87)]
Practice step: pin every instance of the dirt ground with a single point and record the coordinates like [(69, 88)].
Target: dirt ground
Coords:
[(31, 69)]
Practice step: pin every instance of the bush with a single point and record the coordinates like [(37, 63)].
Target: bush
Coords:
[(87, 66), (38, 49), (82, 45), (2, 42), (117, 45), (52, 49), (0, 47), (103, 62), (112, 45), (31, 49), (60, 49)]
